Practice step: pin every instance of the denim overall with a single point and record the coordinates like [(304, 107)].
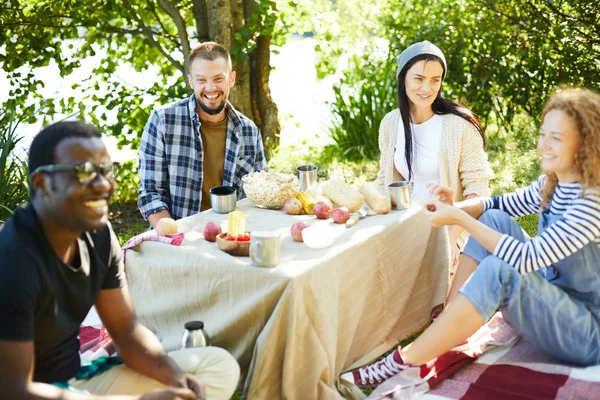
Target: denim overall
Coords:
[(557, 308)]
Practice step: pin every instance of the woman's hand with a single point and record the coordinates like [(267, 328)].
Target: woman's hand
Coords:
[(441, 214), (442, 193)]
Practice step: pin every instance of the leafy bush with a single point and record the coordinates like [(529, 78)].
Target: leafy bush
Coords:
[(330, 161), (127, 182), (14, 189), (366, 92)]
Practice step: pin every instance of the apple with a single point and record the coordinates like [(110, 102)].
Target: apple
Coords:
[(166, 226), (325, 199), (340, 215), (211, 230), (292, 206), (297, 229), (322, 210), (431, 207)]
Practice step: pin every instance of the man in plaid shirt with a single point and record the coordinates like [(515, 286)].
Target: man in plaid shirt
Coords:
[(197, 143)]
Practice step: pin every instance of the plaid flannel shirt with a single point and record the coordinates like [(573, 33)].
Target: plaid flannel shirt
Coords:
[(171, 158)]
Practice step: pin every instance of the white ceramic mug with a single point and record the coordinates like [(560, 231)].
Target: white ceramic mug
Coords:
[(264, 249)]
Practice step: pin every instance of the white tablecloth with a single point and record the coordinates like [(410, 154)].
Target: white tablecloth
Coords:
[(296, 327)]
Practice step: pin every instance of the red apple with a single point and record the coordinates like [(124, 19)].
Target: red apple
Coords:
[(297, 229), (211, 230), (431, 207), (325, 199), (292, 206), (340, 215), (322, 210)]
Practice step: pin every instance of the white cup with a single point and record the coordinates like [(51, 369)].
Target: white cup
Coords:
[(264, 249)]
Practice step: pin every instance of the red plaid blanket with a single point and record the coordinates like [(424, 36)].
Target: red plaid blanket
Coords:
[(94, 340), (495, 364)]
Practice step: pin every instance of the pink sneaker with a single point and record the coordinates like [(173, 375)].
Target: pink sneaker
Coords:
[(374, 374)]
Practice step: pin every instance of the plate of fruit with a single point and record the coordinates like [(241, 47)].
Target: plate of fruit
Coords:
[(236, 241)]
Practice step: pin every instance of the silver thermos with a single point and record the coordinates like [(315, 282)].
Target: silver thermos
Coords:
[(195, 335)]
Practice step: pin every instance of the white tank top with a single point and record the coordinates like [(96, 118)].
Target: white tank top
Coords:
[(426, 154)]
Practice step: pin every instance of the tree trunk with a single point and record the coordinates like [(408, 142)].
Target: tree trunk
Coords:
[(251, 94), (266, 107), (241, 96), (219, 21)]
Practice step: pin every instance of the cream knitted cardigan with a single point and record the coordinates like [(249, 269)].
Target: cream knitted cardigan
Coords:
[(464, 165)]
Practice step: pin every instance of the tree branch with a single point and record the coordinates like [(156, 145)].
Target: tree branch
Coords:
[(107, 28), (592, 38), (150, 35), (164, 28), (172, 11)]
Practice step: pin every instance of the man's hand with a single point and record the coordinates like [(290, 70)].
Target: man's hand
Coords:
[(190, 382), (170, 394), (442, 193)]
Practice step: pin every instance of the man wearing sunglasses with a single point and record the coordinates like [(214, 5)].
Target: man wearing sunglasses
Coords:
[(58, 258), (197, 143)]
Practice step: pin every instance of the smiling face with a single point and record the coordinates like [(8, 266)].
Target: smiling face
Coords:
[(211, 81), (75, 206), (558, 145), (423, 82)]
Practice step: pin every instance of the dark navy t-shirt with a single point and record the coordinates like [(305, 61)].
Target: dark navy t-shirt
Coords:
[(45, 300)]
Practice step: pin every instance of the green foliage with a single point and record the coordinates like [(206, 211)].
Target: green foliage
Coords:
[(40, 33), (330, 161), (14, 189), (127, 183), (504, 59), (339, 26), (361, 100), (264, 20), (148, 37)]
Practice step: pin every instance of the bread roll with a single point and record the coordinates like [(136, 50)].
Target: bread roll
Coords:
[(375, 199), (343, 194)]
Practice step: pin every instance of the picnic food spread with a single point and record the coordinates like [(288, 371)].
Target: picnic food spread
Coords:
[(269, 189), (343, 194), (333, 200)]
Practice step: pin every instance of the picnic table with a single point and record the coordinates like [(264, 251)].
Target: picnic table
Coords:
[(296, 327)]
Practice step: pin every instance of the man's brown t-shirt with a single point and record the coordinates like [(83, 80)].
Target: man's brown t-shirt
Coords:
[(214, 135)]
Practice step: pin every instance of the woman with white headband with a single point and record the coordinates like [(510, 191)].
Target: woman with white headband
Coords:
[(430, 139)]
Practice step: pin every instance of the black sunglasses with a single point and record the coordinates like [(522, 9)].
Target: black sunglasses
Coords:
[(85, 171)]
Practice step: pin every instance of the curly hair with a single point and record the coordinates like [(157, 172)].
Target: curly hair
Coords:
[(583, 106)]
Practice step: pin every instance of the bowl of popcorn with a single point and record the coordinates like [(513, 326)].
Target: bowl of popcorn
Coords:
[(269, 189)]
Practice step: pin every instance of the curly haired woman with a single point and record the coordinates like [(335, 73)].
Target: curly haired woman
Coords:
[(547, 287)]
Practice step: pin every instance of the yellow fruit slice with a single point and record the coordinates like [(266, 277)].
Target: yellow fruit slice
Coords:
[(236, 223)]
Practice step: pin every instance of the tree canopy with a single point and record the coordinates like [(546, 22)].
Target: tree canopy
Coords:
[(504, 59), (154, 37)]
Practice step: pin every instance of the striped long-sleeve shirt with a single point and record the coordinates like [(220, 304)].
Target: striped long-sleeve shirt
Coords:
[(578, 225)]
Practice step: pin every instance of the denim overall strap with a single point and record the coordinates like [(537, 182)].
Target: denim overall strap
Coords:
[(579, 273)]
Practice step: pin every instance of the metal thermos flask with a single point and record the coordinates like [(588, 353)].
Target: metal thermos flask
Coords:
[(195, 335)]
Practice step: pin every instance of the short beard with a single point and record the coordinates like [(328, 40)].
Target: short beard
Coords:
[(210, 111)]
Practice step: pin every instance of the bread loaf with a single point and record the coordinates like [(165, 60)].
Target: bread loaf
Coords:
[(343, 194), (375, 199)]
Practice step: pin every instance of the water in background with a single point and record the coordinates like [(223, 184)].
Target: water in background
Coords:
[(300, 97)]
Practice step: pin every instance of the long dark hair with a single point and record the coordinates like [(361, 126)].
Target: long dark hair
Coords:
[(440, 106)]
